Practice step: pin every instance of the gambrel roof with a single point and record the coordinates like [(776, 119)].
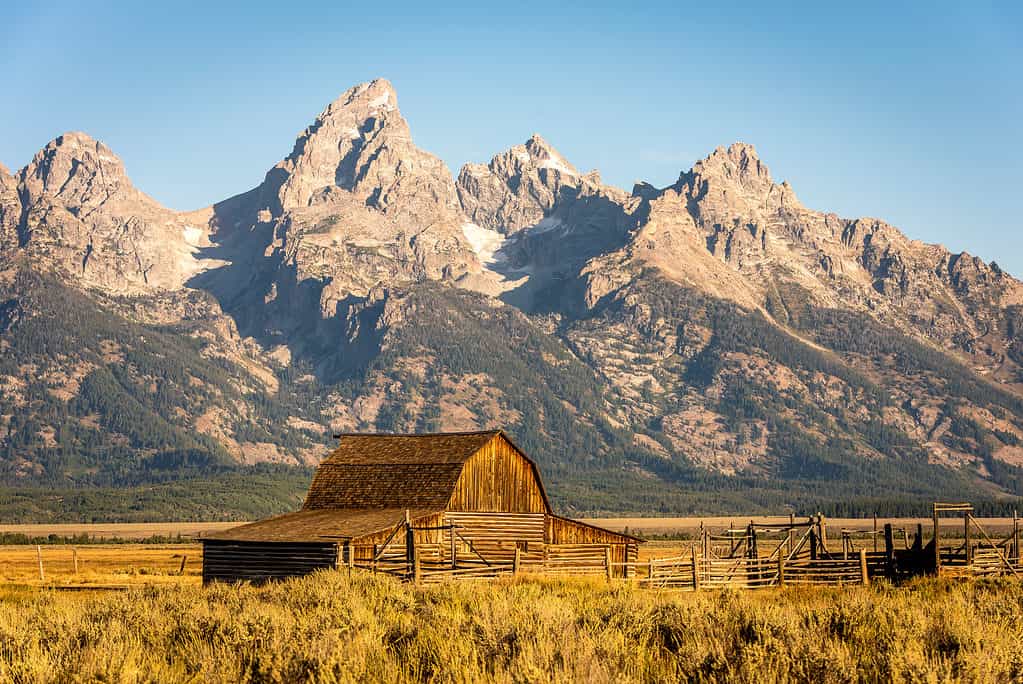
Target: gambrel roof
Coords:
[(370, 480), (399, 470)]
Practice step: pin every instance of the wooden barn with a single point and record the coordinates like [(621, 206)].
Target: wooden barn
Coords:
[(433, 504)]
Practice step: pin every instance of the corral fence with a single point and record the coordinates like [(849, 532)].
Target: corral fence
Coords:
[(753, 556)]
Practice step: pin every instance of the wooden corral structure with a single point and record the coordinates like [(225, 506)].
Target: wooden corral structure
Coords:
[(764, 555), (420, 506)]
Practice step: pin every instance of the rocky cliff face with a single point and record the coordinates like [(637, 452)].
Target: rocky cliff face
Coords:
[(355, 206), (77, 212), (662, 339)]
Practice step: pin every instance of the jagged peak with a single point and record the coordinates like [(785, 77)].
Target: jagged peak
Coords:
[(74, 155), (375, 95), (739, 160), (79, 146)]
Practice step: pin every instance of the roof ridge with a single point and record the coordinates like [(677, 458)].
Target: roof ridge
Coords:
[(455, 433)]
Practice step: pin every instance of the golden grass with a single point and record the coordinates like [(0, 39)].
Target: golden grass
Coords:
[(99, 564), (332, 628), (118, 530)]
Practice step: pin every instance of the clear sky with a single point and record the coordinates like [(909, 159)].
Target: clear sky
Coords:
[(911, 113)]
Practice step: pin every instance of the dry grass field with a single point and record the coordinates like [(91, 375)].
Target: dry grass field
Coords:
[(101, 564), (334, 628)]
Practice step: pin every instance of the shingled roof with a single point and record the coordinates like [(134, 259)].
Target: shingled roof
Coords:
[(323, 525), (397, 471)]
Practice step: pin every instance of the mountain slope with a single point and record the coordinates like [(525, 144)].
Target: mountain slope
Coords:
[(710, 346)]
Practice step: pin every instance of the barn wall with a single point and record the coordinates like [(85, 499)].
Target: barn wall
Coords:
[(231, 561), (425, 539), (498, 478), (495, 536), (572, 535)]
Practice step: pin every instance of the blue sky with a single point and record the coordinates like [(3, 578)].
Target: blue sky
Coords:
[(910, 113)]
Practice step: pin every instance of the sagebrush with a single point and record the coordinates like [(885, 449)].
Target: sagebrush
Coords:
[(334, 628)]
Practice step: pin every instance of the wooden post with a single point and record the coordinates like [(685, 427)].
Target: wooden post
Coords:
[(375, 559), (39, 555), (781, 570), (417, 576), (889, 549), (516, 562), (74, 558), (650, 569), (875, 533), (1015, 536), (696, 570), (969, 545), (792, 530), (607, 562), (937, 543), (845, 545), (703, 538), (864, 578), (184, 559), (824, 535), (454, 551), (813, 543), (410, 546), (905, 538)]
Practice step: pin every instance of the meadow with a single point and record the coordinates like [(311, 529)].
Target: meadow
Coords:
[(332, 627)]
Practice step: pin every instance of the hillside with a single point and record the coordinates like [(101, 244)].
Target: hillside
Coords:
[(711, 346)]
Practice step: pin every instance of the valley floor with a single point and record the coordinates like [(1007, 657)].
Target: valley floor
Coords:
[(334, 628)]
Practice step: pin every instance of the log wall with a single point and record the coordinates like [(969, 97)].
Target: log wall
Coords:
[(232, 561), (495, 536)]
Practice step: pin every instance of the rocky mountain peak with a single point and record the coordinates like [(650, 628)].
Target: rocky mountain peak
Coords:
[(518, 187), (76, 170), (359, 144), (737, 165)]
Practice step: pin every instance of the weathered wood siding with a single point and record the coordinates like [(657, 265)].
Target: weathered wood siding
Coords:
[(364, 546), (570, 534), (231, 561), (497, 478), (495, 536)]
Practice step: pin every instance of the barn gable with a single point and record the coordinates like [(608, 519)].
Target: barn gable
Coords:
[(468, 471)]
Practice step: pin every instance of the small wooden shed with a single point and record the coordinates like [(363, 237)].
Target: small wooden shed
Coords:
[(444, 500)]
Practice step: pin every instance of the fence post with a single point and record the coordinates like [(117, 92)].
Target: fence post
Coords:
[(791, 539), (781, 570), (969, 543), (875, 532), (889, 550), (1015, 536), (937, 544), (184, 559), (864, 578), (650, 570), (39, 555), (607, 562), (518, 559), (74, 558), (696, 570), (824, 535), (417, 576)]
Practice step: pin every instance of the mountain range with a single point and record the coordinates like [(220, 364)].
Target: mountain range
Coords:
[(709, 346)]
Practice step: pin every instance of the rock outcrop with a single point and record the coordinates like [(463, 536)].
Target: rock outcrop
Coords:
[(78, 213)]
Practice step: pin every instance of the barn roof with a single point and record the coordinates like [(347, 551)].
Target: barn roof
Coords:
[(398, 470), (322, 525), (370, 480)]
